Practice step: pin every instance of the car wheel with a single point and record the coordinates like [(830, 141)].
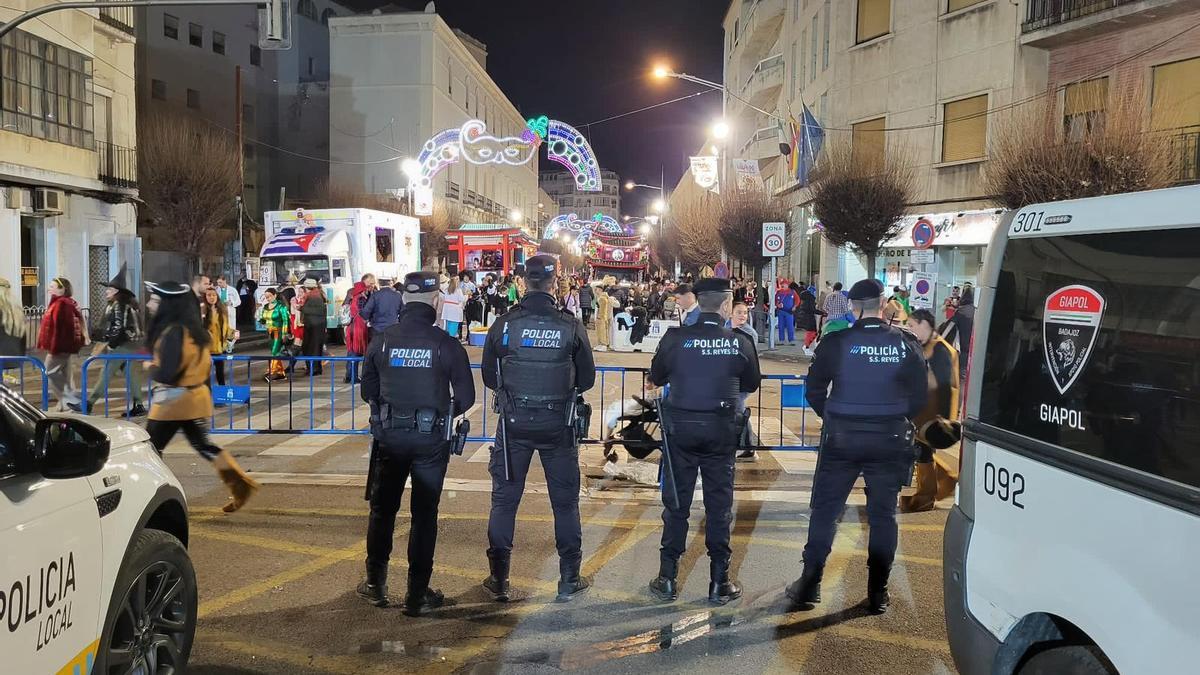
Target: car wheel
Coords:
[(151, 618), (1071, 660)]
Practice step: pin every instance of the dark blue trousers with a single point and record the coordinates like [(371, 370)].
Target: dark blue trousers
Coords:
[(560, 461), (837, 470)]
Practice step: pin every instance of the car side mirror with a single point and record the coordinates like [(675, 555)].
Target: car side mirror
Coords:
[(66, 447)]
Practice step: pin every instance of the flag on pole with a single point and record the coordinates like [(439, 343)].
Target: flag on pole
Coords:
[(811, 138)]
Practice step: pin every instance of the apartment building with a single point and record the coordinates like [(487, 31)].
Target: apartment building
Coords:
[(188, 58), (68, 164), (561, 187), (927, 77), (396, 81)]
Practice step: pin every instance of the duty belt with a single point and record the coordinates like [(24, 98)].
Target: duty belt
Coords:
[(423, 420)]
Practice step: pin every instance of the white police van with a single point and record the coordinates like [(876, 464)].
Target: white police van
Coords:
[(1074, 542), (94, 573)]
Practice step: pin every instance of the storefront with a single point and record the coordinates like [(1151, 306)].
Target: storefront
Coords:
[(957, 244), (483, 249)]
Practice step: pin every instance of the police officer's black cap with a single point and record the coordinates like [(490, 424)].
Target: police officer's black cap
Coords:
[(541, 267), (712, 285), (683, 289), (867, 289), (420, 282)]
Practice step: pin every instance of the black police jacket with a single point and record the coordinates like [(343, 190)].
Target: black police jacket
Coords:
[(868, 370), (414, 364), (708, 365), (538, 344)]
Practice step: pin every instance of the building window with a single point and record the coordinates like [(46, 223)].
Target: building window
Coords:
[(255, 55), (803, 61), (45, 90), (247, 113), (867, 142), (1084, 104), (793, 89), (816, 34), (170, 26), (193, 99), (874, 19), (955, 5), (825, 53), (1175, 96), (824, 111), (195, 35), (964, 129), (218, 43), (307, 9), (326, 16), (158, 90)]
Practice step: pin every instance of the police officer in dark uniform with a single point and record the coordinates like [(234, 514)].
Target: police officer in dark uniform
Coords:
[(866, 383), (409, 372), (538, 360), (708, 367)]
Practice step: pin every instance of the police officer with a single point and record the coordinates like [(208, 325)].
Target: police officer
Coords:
[(538, 360), (878, 377), (405, 375), (708, 367)]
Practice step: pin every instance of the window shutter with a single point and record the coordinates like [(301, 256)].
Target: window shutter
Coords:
[(874, 19), (867, 141), (1175, 98), (956, 5), (1085, 97), (964, 129)]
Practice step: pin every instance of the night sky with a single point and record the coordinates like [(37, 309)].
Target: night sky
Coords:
[(584, 61)]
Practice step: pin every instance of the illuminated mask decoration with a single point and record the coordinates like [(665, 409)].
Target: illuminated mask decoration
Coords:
[(470, 141), (480, 148), (569, 148)]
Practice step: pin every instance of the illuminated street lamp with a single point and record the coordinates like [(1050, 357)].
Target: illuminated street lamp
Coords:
[(412, 171), (515, 215), (720, 130), (660, 205), (646, 228)]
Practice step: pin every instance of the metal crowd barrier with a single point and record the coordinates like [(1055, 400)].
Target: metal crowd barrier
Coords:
[(19, 385), (250, 403)]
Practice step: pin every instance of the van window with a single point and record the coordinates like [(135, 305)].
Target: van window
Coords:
[(1131, 397), (385, 245)]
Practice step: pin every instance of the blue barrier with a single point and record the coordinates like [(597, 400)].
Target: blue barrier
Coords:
[(36, 363), (249, 403)]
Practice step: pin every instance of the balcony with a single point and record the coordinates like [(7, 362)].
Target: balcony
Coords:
[(760, 24), (762, 144), (765, 81), (1187, 150), (1052, 23), (118, 165), (121, 18)]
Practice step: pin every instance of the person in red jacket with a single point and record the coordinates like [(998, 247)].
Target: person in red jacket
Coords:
[(63, 333), (356, 331)]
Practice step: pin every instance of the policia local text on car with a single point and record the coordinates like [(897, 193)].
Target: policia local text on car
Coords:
[(708, 367), (866, 383), (409, 371), (538, 360)]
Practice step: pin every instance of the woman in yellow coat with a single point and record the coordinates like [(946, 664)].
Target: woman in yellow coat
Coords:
[(604, 317), (180, 399), (942, 404)]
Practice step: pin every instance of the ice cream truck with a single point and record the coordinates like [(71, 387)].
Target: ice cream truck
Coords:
[(337, 247)]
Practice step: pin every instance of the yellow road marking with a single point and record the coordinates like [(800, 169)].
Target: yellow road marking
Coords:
[(606, 553), (262, 542), (240, 595), (873, 635)]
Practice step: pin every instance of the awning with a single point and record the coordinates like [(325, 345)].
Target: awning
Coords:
[(966, 228)]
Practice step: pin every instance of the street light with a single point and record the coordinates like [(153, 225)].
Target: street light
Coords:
[(515, 215), (411, 168), (720, 129), (660, 205), (645, 228), (662, 72)]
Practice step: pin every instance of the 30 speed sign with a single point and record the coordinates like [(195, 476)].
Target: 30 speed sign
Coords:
[(774, 239)]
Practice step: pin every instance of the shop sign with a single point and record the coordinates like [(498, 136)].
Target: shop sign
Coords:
[(29, 276)]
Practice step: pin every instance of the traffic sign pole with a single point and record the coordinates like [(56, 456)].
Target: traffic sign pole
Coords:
[(774, 243)]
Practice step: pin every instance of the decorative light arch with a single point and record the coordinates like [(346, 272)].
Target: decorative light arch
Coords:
[(472, 143)]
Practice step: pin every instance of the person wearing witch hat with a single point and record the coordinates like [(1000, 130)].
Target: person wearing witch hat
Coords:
[(180, 399), (122, 336)]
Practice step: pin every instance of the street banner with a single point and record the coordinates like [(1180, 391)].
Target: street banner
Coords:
[(704, 170), (748, 177), (422, 200)]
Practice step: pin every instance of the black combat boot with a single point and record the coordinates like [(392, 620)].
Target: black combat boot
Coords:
[(721, 589), (877, 587), (663, 587), (422, 601), (570, 584), (373, 589), (806, 591), (497, 583)]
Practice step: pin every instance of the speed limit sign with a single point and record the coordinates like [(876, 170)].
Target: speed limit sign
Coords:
[(774, 239)]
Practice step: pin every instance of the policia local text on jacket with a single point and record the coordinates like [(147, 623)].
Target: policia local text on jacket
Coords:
[(866, 383), (708, 367), (537, 358), (408, 374)]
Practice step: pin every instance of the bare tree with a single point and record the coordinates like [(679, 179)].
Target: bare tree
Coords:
[(743, 213), (695, 229), (446, 216), (1039, 156), (860, 199), (188, 178)]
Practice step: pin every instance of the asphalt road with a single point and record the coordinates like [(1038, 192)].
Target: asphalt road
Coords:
[(277, 579)]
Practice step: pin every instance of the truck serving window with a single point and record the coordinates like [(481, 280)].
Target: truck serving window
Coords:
[(385, 245), (1093, 346)]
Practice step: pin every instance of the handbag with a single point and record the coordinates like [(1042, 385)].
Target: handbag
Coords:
[(345, 317), (161, 394)]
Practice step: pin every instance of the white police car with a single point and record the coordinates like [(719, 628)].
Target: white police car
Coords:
[(94, 573)]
